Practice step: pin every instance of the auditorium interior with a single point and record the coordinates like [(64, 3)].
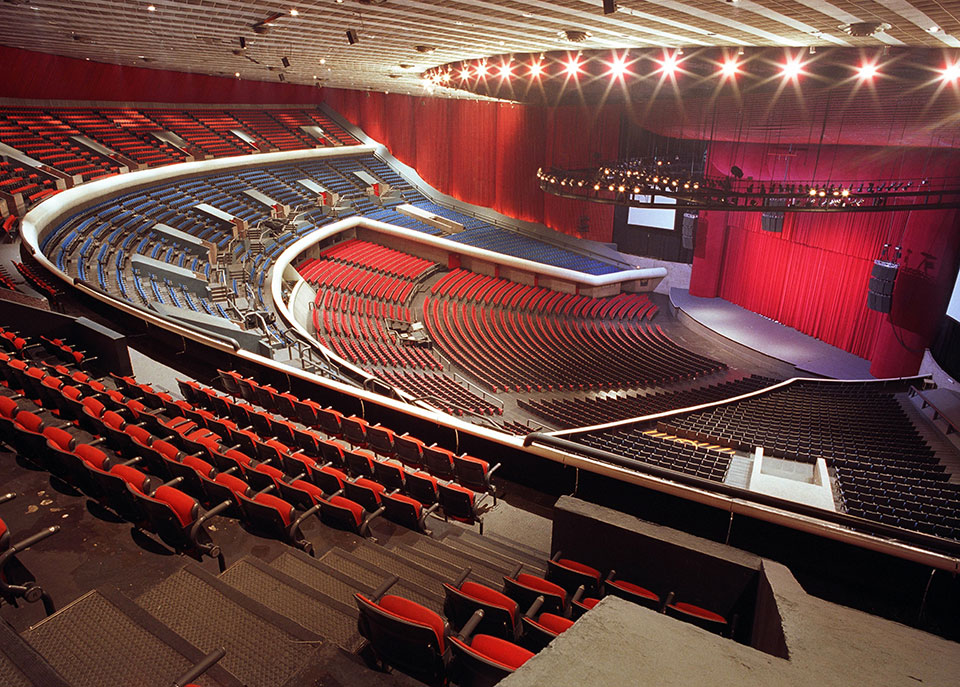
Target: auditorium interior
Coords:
[(387, 343)]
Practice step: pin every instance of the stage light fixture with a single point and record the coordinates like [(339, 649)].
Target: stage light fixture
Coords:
[(465, 73), (950, 73), (617, 67), (481, 69), (668, 65), (572, 66), (867, 71), (536, 69), (505, 71), (294, 12), (791, 69), (730, 67)]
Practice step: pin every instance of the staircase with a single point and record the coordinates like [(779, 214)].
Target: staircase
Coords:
[(289, 622), (946, 451)]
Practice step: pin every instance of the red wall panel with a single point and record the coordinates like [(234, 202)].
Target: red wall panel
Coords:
[(488, 153), (40, 76)]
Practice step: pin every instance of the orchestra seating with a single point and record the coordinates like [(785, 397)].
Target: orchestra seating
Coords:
[(884, 468), (518, 337), (602, 408), (698, 459)]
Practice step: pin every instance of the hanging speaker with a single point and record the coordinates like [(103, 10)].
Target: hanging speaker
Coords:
[(688, 229), (883, 276), (351, 36), (609, 6), (772, 220)]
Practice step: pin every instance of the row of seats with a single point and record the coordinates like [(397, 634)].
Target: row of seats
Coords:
[(428, 474), (525, 349), (861, 431), (488, 633), (602, 408)]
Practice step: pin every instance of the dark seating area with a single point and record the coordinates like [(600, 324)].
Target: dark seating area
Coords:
[(599, 409), (885, 470)]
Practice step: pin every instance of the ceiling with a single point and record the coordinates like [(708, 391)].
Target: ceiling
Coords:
[(204, 35)]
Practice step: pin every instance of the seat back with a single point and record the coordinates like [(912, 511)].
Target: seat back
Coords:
[(540, 632), (354, 430), (524, 589), (343, 513), (403, 510), (404, 635), (472, 472), (364, 491), (329, 479), (360, 462), (328, 420), (422, 487), (380, 439), (500, 612), (439, 462), (570, 574), (458, 503), (409, 449), (389, 473)]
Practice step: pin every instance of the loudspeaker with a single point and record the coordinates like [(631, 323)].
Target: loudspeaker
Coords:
[(879, 302), (883, 276), (771, 221), (688, 229), (609, 6), (351, 36)]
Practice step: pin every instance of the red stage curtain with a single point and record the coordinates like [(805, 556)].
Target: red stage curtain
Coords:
[(814, 275), (40, 76)]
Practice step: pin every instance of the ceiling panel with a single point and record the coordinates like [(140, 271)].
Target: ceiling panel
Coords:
[(203, 35)]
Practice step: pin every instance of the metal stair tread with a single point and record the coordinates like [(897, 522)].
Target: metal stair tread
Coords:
[(94, 641), (308, 607), (210, 613)]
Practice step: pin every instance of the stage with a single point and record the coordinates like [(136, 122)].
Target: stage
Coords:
[(807, 354)]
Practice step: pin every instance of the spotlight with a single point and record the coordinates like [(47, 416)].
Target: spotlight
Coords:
[(536, 69), (792, 68), (294, 12), (617, 66), (481, 69), (506, 71), (867, 71), (950, 73), (572, 66), (285, 61), (668, 65), (465, 73), (730, 67)]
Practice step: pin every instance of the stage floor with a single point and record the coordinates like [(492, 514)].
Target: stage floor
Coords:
[(771, 338)]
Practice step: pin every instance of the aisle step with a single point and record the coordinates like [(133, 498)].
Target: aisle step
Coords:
[(480, 565), (451, 559), (498, 556), (397, 564), (304, 605), (210, 613), (505, 547), (104, 638), (373, 576)]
